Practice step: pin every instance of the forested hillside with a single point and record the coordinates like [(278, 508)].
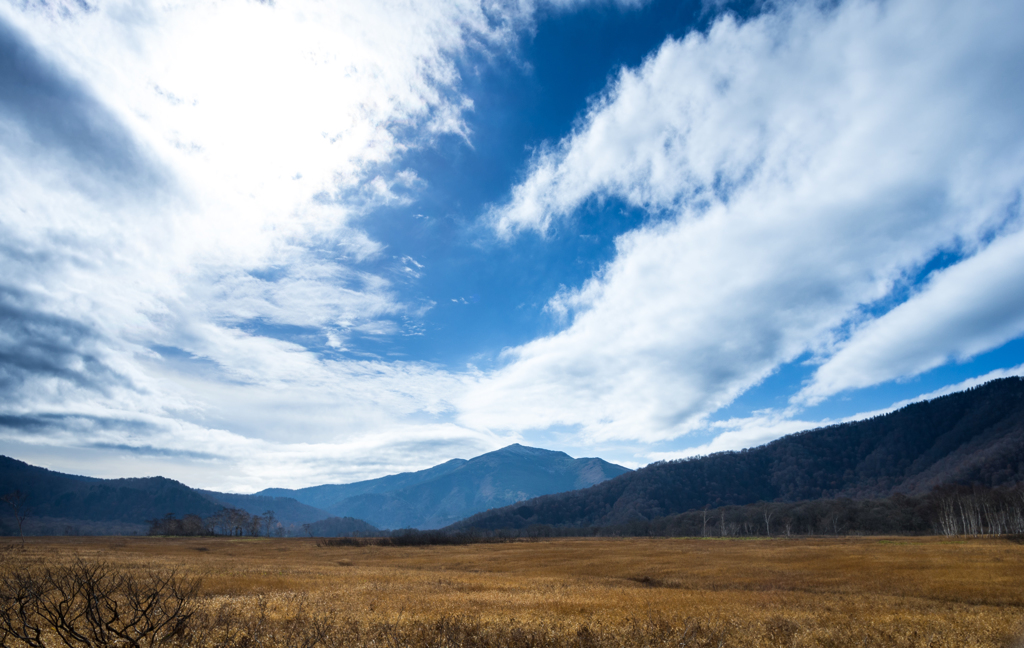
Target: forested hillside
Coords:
[(56, 495), (431, 498), (56, 503), (971, 437)]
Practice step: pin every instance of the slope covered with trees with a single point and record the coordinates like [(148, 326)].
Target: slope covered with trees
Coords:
[(971, 437), (56, 495)]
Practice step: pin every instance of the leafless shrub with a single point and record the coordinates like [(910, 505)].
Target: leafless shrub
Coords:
[(81, 604)]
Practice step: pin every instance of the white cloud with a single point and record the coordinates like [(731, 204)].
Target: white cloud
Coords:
[(186, 175), (812, 159), (739, 433), (967, 309)]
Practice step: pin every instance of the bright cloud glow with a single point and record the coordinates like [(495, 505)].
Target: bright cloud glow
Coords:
[(246, 137)]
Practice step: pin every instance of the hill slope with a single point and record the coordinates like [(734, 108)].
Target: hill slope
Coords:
[(56, 500), (70, 497), (976, 436)]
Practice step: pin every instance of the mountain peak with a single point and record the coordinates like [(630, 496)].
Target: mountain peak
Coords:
[(517, 449)]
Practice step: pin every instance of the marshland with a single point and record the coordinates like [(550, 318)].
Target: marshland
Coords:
[(235, 592)]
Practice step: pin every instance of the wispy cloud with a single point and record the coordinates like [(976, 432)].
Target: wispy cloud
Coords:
[(768, 425), (967, 309), (802, 165)]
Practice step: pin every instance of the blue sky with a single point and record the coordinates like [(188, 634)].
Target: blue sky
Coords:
[(246, 244)]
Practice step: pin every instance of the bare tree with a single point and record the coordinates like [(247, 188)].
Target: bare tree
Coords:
[(193, 525), (768, 513), (704, 519), (268, 516), (240, 521), (16, 500), (947, 515)]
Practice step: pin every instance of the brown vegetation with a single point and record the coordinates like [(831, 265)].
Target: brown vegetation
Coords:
[(569, 592)]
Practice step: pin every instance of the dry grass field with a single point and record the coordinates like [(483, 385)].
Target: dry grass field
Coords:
[(585, 592)]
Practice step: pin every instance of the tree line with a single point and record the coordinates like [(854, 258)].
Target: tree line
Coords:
[(973, 511), (952, 510), (225, 522)]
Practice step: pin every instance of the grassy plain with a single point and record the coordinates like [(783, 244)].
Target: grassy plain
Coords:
[(590, 592)]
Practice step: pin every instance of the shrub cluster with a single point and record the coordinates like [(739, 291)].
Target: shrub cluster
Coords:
[(81, 604)]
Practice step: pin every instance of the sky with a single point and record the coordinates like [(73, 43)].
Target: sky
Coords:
[(282, 243)]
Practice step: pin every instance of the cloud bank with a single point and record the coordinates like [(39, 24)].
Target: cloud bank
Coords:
[(803, 167)]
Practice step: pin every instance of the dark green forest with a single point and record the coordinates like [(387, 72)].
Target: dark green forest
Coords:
[(971, 438)]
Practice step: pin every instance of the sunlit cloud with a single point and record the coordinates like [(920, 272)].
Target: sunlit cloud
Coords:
[(806, 163)]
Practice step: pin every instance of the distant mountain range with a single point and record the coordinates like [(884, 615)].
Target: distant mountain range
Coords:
[(425, 499), (971, 437), (439, 496)]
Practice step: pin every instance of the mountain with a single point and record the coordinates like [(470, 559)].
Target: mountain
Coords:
[(444, 494), (971, 437), (71, 498)]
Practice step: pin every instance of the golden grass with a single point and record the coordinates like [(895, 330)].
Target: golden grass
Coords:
[(615, 592)]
